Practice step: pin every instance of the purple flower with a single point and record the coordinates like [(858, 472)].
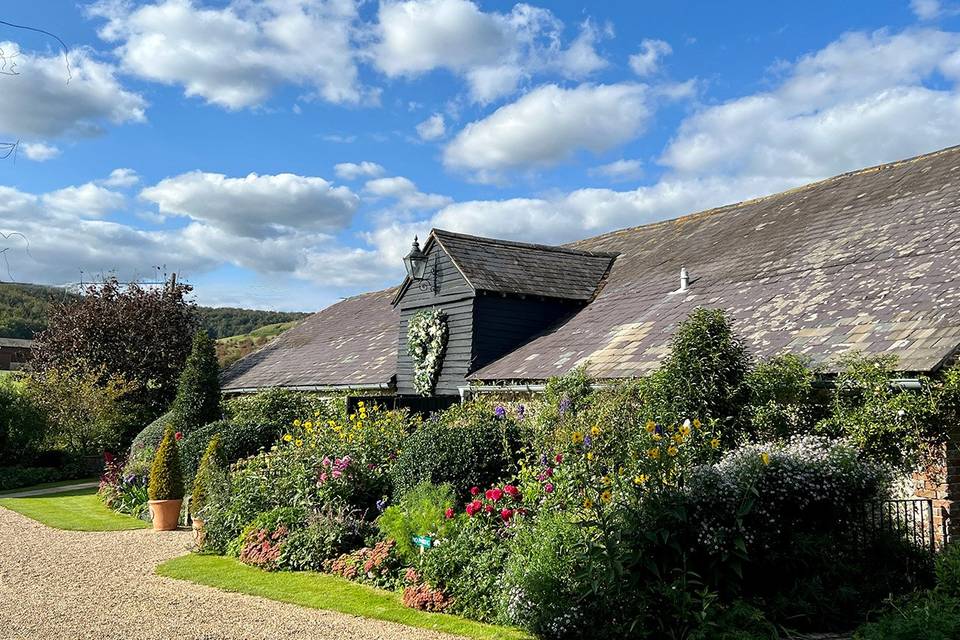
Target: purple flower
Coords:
[(658, 429), (381, 504), (565, 405), (500, 412), (587, 442), (543, 460), (521, 410)]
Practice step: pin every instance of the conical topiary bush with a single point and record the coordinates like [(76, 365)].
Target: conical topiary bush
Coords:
[(198, 393), (209, 474), (165, 488)]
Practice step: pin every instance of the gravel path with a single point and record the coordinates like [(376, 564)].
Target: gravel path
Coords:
[(72, 585)]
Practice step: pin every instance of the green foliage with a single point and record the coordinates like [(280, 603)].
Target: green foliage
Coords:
[(927, 616), (420, 512), (703, 375), (198, 394), (322, 537), (210, 477), (274, 410), (23, 424), (138, 334), (166, 477), (151, 435), (889, 424), (24, 308), (465, 446), (17, 477), (947, 569), (87, 412), (783, 401), (468, 566), (222, 322), (267, 521)]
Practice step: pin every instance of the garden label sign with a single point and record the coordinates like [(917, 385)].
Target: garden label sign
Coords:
[(426, 342), (424, 542)]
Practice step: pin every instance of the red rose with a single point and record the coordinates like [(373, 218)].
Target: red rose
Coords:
[(494, 494), (474, 490), (506, 514), (548, 488), (178, 435), (448, 512), (548, 472), (488, 508), (511, 491), (559, 458)]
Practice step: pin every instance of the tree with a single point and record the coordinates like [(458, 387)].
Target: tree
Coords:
[(198, 395), (139, 334), (166, 477)]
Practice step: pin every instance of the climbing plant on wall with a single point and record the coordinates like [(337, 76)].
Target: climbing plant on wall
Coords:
[(426, 342)]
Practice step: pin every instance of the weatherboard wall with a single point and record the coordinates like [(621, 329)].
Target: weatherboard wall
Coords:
[(455, 297)]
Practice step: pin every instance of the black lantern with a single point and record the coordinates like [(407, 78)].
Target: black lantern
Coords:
[(415, 261), (416, 264)]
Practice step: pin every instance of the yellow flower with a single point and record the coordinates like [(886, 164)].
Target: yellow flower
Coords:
[(653, 453), (640, 479), (595, 430), (685, 431), (589, 455), (296, 422), (316, 414), (765, 457), (299, 442), (651, 426), (715, 443), (657, 437), (287, 437), (696, 423), (606, 496), (605, 479), (308, 425), (577, 437), (588, 504), (353, 417), (359, 403), (677, 437), (672, 451), (331, 423)]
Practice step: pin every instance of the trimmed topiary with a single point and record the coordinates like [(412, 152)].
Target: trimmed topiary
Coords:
[(166, 476), (198, 393), (211, 469)]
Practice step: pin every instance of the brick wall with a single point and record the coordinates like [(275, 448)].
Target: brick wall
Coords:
[(939, 480)]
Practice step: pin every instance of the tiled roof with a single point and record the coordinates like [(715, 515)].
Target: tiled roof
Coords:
[(520, 268), (868, 261), (350, 343)]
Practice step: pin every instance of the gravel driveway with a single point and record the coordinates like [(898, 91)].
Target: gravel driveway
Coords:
[(68, 584)]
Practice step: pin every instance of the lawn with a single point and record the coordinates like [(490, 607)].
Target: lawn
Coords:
[(48, 485), (78, 510), (320, 591)]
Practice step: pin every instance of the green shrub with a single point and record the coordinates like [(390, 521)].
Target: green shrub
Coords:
[(927, 616), (947, 570), (198, 393), (323, 537), (22, 422), (166, 477), (151, 435), (420, 512), (209, 477), (272, 411), (783, 401), (465, 446), (278, 519), (17, 477), (468, 567)]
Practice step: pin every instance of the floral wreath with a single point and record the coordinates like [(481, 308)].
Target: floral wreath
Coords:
[(426, 342)]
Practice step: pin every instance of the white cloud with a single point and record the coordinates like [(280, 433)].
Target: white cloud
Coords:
[(45, 100), (352, 170), (620, 170), (256, 206), (493, 51), (405, 192), (85, 201), (647, 61), (236, 56), (547, 125), (825, 115), (926, 9), (39, 151), (432, 128), (121, 178)]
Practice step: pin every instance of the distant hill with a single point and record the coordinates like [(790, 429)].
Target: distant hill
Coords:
[(24, 309), (232, 348)]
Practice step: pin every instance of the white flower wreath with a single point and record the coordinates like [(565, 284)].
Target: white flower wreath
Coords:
[(426, 342)]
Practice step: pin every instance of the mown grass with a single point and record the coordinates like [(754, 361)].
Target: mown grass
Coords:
[(320, 591), (77, 510), (47, 485)]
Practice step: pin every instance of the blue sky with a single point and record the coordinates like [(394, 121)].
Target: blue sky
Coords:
[(282, 154)]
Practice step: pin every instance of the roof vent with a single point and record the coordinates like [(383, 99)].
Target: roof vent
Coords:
[(684, 279)]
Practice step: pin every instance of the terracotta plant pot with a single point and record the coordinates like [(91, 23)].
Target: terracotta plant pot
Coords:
[(166, 514), (199, 535)]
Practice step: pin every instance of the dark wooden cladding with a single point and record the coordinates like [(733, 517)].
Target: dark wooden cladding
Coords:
[(501, 324)]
